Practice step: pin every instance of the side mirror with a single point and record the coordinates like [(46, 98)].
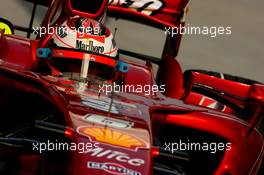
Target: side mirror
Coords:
[(6, 27)]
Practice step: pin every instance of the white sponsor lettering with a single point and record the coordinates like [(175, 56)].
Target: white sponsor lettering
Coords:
[(116, 155), (147, 7)]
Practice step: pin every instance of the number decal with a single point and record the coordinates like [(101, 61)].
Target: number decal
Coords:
[(108, 121)]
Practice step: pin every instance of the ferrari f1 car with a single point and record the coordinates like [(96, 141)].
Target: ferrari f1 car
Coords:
[(71, 104)]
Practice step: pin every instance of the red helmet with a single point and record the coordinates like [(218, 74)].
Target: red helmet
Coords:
[(87, 35), (80, 52)]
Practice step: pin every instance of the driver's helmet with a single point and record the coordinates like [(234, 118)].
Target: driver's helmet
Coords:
[(83, 47), (85, 34)]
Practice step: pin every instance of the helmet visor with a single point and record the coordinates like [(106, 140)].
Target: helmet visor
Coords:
[(82, 65), (82, 70)]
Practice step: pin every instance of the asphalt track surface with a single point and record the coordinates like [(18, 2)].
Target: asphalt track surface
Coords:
[(241, 53)]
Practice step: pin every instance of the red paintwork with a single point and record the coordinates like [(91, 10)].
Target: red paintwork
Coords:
[(229, 127), (169, 15), (18, 61), (79, 55)]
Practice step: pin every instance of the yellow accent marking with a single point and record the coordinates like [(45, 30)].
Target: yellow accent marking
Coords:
[(113, 137), (6, 28)]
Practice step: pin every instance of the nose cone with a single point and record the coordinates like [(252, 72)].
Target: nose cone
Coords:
[(114, 151)]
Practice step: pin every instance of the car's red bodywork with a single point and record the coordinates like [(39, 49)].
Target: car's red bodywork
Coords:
[(178, 107)]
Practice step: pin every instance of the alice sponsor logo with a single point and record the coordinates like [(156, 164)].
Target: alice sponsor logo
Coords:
[(89, 47), (116, 156)]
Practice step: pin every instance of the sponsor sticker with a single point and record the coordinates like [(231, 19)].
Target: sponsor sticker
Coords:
[(89, 46), (100, 105), (148, 7), (112, 168), (112, 137), (108, 154), (103, 103)]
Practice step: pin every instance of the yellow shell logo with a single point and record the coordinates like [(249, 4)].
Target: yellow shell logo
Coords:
[(112, 137)]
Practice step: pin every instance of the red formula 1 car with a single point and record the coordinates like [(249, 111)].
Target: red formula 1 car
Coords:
[(71, 104)]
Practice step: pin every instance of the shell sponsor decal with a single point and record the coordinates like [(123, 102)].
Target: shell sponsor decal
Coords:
[(112, 137)]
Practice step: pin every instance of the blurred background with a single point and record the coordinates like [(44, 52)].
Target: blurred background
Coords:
[(241, 53)]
